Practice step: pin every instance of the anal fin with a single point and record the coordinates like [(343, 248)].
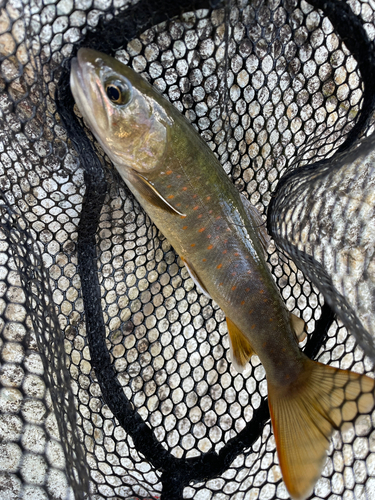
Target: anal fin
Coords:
[(151, 194), (240, 347)]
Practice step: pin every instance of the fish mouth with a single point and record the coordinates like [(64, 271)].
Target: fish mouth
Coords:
[(85, 87), (83, 66)]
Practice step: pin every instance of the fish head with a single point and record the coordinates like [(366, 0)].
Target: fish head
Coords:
[(121, 108)]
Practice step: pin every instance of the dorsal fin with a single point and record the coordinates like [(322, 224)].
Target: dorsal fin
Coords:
[(151, 194), (259, 223), (240, 348)]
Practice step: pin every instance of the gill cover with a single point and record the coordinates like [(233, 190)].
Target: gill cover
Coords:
[(122, 110)]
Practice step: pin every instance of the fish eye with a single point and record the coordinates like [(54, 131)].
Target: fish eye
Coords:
[(118, 92)]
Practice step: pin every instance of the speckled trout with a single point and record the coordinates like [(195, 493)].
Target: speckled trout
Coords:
[(220, 238)]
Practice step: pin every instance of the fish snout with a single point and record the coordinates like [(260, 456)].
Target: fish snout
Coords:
[(89, 57), (86, 87)]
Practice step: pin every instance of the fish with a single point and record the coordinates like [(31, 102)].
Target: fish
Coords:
[(220, 237)]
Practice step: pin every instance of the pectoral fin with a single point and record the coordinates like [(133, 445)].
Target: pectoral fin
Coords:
[(298, 326), (194, 276), (151, 194), (240, 348)]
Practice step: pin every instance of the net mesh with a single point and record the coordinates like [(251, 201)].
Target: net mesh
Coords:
[(115, 378)]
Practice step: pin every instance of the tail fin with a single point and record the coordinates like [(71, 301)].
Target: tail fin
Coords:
[(304, 415)]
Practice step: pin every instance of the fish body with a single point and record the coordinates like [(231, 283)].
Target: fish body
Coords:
[(216, 235), (219, 235)]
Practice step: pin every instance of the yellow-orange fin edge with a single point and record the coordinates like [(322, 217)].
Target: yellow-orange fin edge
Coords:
[(305, 414), (240, 348)]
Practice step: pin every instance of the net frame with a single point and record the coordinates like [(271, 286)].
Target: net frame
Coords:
[(41, 71)]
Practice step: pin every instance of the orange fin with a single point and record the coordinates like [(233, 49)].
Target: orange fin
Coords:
[(304, 415), (194, 276), (151, 194), (240, 348), (298, 326)]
